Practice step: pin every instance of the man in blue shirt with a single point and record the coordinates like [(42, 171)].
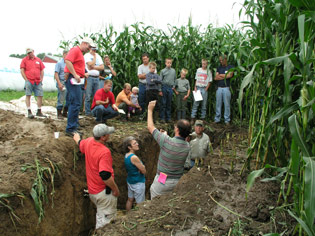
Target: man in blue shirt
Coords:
[(223, 91), (63, 96)]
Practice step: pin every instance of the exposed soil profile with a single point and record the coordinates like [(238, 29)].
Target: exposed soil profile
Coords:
[(196, 207)]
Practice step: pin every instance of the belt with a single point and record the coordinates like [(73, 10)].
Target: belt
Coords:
[(93, 76), (223, 86)]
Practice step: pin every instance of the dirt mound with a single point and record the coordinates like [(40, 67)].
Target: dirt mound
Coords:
[(194, 208)]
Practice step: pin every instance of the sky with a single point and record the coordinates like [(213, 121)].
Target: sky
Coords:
[(42, 24)]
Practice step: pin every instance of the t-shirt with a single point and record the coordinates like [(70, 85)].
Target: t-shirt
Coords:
[(60, 69), (203, 77), (32, 68), (173, 154), (88, 57), (75, 56), (98, 158), (223, 70), (106, 72), (182, 85), (101, 95), (134, 99), (122, 96)]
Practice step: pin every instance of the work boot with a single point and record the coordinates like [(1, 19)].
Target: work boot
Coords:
[(59, 115), (65, 112), (29, 114), (39, 113)]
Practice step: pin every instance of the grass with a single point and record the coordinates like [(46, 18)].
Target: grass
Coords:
[(49, 99)]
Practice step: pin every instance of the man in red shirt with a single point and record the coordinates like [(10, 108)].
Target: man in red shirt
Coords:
[(103, 190), (74, 73), (103, 106), (32, 71)]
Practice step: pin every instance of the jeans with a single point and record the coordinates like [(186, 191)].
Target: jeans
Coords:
[(204, 101), (166, 104), (225, 95), (102, 114), (36, 88), (75, 101), (63, 96), (142, 96), (91, 88)]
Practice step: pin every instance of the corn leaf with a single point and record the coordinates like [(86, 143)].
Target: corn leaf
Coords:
[(285, 111), (295, 132), (251, 178), (246, 81), (302, 223), (309, 191), (36, 200)]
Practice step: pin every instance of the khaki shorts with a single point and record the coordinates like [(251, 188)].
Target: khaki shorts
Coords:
[(158, 188), (106, 205)]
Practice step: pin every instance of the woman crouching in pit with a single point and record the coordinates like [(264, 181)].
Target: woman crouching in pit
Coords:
[(135, 173)]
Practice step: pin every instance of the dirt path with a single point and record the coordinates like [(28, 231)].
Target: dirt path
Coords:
[(194, 208)]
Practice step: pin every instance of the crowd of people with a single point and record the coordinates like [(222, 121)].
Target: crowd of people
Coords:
[(83, 64), (81, 75)]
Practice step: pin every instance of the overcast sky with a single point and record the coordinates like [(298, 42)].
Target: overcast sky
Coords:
[(41, 24)]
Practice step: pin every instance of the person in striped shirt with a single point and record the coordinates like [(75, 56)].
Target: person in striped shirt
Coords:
[(173, 154)]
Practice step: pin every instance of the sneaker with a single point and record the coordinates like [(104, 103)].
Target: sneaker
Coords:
[(128, 115), (227, 123)]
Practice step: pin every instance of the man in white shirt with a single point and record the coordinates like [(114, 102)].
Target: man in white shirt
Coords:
[(93, 64)]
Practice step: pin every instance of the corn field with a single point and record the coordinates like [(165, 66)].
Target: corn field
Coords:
[(273, 85), (186, 45)]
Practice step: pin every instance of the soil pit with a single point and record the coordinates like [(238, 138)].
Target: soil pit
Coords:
[(194, 208)]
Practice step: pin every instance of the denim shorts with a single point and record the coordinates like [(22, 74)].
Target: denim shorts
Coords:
[(136, 191), (37, 89)]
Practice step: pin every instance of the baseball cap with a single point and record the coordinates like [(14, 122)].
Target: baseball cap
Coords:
[(102, 129), (28, 50), (89, 41), (199, 122)]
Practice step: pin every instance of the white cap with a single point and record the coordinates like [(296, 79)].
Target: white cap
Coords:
[(89, 41)]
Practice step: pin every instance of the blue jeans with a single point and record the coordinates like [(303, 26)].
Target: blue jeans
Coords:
[(194, 110), (166, 104), (91, 88), (75, 101), (102, 114), (142, 96), (63, 96), (225, 95)]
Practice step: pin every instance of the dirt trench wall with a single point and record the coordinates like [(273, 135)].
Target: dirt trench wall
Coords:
[(70, 213)]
